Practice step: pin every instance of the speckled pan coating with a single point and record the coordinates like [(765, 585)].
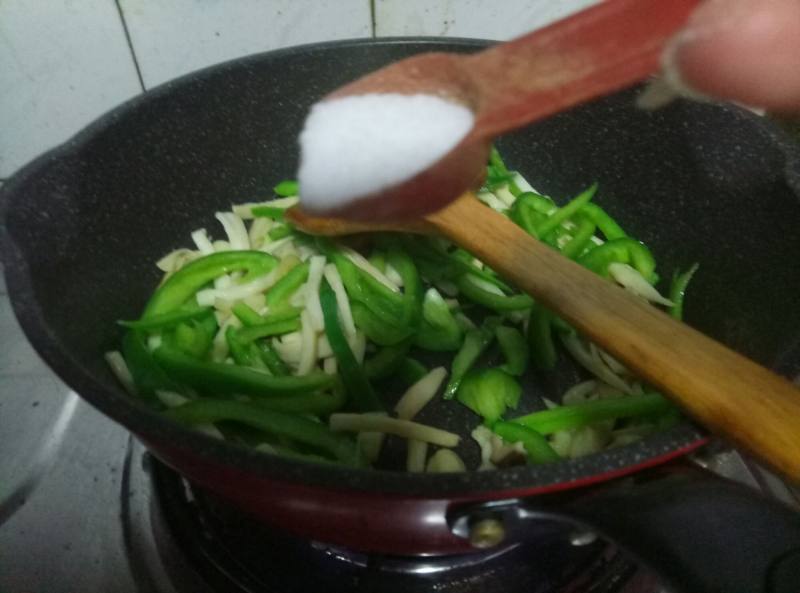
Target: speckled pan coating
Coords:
[(86, 221)]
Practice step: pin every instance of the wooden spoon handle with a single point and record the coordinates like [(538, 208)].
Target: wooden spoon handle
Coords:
[(723, 390), (599, 50)]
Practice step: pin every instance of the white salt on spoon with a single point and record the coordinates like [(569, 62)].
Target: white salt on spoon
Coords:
[(355, 146)]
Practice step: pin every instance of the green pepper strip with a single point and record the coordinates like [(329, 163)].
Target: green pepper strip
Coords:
[(320, 403), (280, 424), (272, 359), (378, 259), (411, 370), (514, 348), (194, 340), (607, 225), (246, 314), (567, 417), (276, 327), (439, 330), (540, 339), (411, 308), (464, 261), (184, 283), (387, 360), (287, 285), (475, 342), (536, 445), (240, 351), (352, 374), (557, 218), (677, 291), (166, 319), (280, 232), (529, 210), (384, 303), (626, 251), (580, 237), (287, 188), (377, 330), (268, 212), (500, 303), (147, 375), (442, 264), (497, 161), (227, 378)]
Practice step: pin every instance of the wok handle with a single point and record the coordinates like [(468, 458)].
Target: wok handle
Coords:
[(698, 532)]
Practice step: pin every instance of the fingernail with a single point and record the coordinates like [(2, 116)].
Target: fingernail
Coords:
[(710, 18), (713, 16)]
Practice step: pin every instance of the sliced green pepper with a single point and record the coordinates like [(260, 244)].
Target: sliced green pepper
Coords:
[(607, 225), (378, 260), (411, 370), (287, 188), (439, 330), (147, 375), (557, 218), (567, 417), (196, 339), (581, 237), (677, 290), (540, 339), (320, 403), (246, 315), (268, 212), (269, 328), (475, 342), (240, 351), (536, 445), (387, 360), (228, 379), (624, 250), (352, 374), (284, 288), (376, 329), (489, 392), (166, 319), (272, 359), (279, 232), (184, 283), (514, 348), (499, 303), (526, 211), (291, 426), (411, 308)]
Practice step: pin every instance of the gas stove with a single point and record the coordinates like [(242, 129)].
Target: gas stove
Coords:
[(85, 508)]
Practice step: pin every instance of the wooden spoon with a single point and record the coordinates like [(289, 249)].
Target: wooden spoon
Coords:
[(728, 393), (595, 52)]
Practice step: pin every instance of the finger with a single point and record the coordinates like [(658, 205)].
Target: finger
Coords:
[(744, 50)]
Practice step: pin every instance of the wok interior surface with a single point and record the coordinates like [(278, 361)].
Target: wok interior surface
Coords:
[(87, 222)]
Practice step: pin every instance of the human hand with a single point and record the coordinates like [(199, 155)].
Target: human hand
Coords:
[(742, 50)]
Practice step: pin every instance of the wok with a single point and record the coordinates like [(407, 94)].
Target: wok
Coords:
[(696, 182)]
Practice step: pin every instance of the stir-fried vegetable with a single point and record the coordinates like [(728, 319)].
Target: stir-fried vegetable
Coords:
[(298, 345)]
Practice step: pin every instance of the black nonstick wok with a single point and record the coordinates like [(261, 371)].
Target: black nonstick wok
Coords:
[(86, 221)]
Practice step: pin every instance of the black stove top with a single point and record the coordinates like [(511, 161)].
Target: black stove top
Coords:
[(84, 508)]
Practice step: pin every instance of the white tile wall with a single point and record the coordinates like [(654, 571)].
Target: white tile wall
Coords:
[(62, 63), (485, 19), (65, 62), (174, 37)]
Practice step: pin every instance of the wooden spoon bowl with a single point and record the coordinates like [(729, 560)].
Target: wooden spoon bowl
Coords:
[(595, 52)]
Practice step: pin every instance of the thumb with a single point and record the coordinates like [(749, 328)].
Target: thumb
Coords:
[(744, 50)]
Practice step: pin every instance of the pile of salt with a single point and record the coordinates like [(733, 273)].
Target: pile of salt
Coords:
[(354, 146)]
